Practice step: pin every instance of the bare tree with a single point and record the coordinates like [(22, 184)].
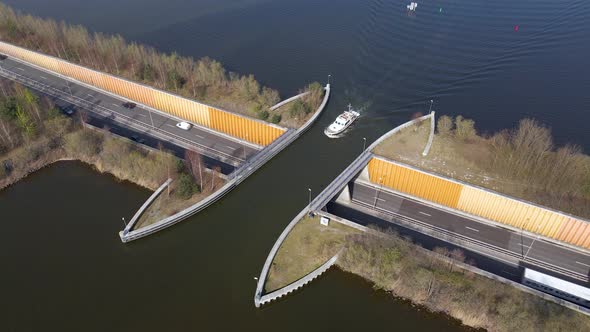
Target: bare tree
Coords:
[(195, 164)]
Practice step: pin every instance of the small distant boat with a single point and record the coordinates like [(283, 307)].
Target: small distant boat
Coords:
[(412, 6), (342, 122)]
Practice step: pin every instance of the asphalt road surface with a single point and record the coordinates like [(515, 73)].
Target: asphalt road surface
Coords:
[(214, 145), (515, 242)]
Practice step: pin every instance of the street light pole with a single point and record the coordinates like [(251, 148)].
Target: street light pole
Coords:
[(152, 120), (244, 149), (533, 242), (69, 89), (377, 193), (309, 189), (124, 223), (430, 110), (329, 75), (364, 143)]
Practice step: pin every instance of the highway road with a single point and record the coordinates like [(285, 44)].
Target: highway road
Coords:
[(507, 240), (207, 142)]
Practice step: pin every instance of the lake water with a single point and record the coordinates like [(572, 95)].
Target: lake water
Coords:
[(63, 266)]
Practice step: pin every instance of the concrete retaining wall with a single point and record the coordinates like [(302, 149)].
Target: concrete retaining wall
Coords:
[(234, 179), (322, 199), (299, 283), (286, 101)]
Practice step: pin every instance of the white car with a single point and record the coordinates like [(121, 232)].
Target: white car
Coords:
[(184, 125)]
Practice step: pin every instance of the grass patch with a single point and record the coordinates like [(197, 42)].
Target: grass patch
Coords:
[(397, 265), (306, 248), (522, 162), (407, 143), (167, 205)]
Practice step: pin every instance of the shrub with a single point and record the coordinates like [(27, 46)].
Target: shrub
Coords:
[(298, 109), (83, 143), (263, 115), (445, 125), (465, 128), (276, 118), (186, 187)]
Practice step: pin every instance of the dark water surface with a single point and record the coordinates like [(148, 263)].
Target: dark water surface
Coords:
[(63, 266)]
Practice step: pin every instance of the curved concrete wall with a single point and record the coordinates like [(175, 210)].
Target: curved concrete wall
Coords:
[(480, 202), (239, 126)]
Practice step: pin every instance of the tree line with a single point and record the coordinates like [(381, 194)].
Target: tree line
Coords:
[(205, 79), (556, 176)]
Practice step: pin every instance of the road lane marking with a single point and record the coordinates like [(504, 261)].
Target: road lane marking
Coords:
[(472, 229), (583, 264), (169, 125), (115, 104), (89, 95), (141, 115), (512, 274), (43, 77), (424, 213), (380, 199), (199, 136), (19, 68), (230, 147), (523, 245)]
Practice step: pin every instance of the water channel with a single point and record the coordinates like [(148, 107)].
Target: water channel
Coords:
[(63, 265)]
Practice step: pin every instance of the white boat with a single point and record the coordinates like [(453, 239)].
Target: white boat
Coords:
[(342, 122), (412, 6)]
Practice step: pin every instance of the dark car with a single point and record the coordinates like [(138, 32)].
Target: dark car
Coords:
[(3, 57), (137, 139), (129, 105), (68, 110)]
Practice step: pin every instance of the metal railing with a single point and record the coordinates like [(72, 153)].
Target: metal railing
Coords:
[(114, 116)]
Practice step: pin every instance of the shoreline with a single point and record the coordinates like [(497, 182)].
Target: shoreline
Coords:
[(65, 159)]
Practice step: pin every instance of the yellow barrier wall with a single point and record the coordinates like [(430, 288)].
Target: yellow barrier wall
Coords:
[(481, 203), (415, 183), (232, 124)]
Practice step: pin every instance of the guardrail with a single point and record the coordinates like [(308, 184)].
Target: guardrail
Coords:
[(446, 235), (301, 282), (117, 117), (234, 179), (145, 205), (286, 101)]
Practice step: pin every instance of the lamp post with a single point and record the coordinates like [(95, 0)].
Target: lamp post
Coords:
[(69, 89), (533, 242), (377, 193), (124, 223), (431, 101), (309, 189), (244, 149), (152, 120), (364, 143), (329, 75)]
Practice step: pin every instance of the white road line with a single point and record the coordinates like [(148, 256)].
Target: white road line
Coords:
[(512, 274), (89, 95), (380, 199), (424, 213), (141, 115), (199, 136), (472, 229), (169, 125), (115, 104), (19, 68), (43, 77), (522, 245), (230, 147), (583, 264)]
